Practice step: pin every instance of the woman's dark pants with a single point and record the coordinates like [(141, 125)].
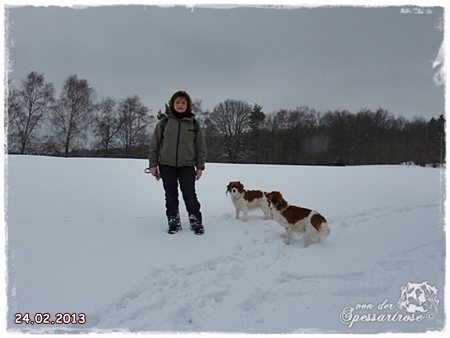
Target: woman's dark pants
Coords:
[(186, 177)]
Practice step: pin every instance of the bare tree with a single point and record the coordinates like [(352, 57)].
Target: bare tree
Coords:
[(73, 112), (134, 122), (231, 122), (106, 124), (27, 109), (12, 105)]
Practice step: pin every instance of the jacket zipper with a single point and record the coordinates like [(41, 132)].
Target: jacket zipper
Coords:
[(178, 143)]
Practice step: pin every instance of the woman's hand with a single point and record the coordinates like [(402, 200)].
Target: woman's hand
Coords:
[(198, 174), (154, 171)]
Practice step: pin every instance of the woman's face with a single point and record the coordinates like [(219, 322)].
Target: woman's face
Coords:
[(180, 105)]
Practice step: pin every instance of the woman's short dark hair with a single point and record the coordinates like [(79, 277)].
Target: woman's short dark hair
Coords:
[(182, 94)]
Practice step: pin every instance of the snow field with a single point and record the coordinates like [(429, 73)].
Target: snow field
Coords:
[(89, 235)]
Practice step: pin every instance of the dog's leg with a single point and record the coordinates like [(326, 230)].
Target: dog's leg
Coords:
[(266, 213), (311, 235), (287, 239), (245, 210), (308, 240), (265, 209), (238, 211), (324, 231)]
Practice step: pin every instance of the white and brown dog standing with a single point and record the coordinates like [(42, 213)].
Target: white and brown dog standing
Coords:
[(293, 218), (245, 200)]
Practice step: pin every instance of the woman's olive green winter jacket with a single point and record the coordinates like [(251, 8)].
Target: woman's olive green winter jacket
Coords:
[(178, 142)]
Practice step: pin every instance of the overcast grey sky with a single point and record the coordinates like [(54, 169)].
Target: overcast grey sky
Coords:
[(327, 58)]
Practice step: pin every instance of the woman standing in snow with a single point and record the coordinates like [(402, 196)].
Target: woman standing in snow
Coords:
[(178, 153)]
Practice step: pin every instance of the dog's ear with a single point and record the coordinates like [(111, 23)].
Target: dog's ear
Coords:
[(274, 198), (277, 198), (241, 186), (270, 195)]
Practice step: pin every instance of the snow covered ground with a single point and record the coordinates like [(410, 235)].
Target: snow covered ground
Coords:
[(89, 236)]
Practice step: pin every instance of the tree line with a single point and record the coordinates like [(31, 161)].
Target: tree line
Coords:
[(75, 123), (237, 132)]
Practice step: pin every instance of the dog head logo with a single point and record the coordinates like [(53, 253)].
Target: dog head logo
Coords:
[(418, 298)]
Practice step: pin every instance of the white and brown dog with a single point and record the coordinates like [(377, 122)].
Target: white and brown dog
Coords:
[(245, 200), (293, 218)]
